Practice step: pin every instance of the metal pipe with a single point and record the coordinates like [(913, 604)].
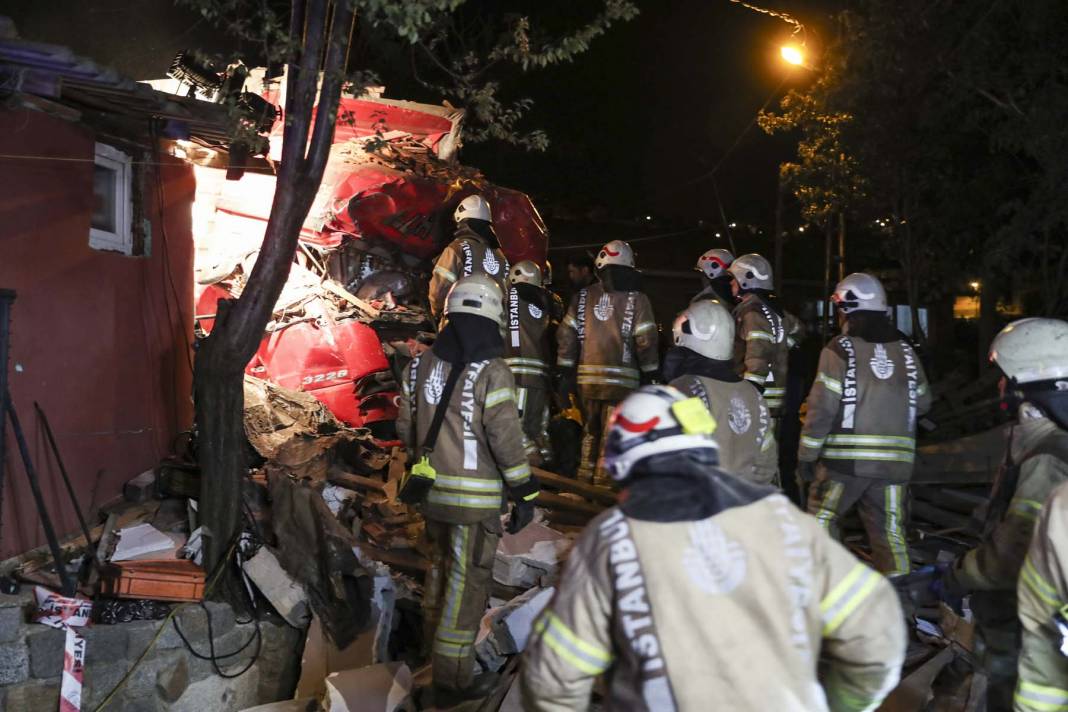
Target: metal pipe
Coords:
[(63, 473)]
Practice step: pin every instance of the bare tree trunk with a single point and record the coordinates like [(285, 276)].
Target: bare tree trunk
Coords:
[(912, 285), (825, 323), (841, 246), (779, 238), (221, 358)]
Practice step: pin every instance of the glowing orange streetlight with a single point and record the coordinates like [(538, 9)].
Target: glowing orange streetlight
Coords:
[(793, 55)]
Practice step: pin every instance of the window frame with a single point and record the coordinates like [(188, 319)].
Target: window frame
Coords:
[(122, 239)]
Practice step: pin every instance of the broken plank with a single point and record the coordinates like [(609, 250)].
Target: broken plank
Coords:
[(351, 298), (595, 493), (558, 501), (356, 482), (404, 560)]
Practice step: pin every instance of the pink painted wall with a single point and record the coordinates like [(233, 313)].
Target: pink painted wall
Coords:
[(99, 339)]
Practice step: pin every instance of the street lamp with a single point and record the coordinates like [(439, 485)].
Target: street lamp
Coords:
[(793, 55)]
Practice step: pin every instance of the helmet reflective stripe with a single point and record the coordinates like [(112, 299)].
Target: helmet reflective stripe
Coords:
[(707, 328), (473, 207), (714, 262), (860, 292), (654, 420), (752, 272), (525, 272), (1031, 350), (615, 252), (476, 294)]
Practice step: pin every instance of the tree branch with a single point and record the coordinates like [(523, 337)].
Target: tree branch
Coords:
[(330, 93)]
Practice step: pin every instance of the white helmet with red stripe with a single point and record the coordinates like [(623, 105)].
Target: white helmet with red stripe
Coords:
[(615, 252), (655, 420), (714, 263), (860, 292)]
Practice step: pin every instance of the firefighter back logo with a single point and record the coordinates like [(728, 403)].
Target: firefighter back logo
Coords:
[(603, 309), (881, 363), (534, 311), (435, 384), (713, 562), (738, 416), (490, 263)]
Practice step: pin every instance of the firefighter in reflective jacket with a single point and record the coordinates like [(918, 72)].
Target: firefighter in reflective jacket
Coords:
[(1043, 599), (702, 591), (527, 351), (476, 461), (473, 250), (609, 334), (1032, 354), (765, 332), (700, 365), (861, 423)]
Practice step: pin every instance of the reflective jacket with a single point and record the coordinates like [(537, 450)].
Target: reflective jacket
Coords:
[(746, 442), (611, 337), (467, 254), (1040, 449), (526, 342), (730, 612), (479, 449), (1043, 594), (762, 344), (863, 407)]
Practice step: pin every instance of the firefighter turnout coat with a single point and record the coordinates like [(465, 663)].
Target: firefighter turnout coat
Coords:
[(467, 254), (743, 426), (863, 408), (479, 450), (611, 337), (763, 340), (527, 355), (1043, 600), (730, 612)]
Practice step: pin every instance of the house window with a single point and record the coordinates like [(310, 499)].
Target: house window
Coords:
[(112, 223)]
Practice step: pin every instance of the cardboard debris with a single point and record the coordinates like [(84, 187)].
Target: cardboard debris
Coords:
[(144, 541), (376, 688), (286, 595), (523, 559)]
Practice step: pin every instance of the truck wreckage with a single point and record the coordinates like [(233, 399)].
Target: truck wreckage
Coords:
[(330, 551)]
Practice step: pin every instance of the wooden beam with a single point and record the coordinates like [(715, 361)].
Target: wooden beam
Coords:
[(595, 493), (557, 501)]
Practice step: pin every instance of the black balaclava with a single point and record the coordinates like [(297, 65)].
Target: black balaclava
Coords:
[(766, 296), (874, 327), (533, 294), (685, 485), (482, 228), (620, 278), (468, 338), (720, 287), (683, 361), (1051, 397)]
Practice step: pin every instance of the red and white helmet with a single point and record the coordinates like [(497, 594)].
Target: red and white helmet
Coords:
[(654, 420), (714, 263), (615, 252), (752, 271)]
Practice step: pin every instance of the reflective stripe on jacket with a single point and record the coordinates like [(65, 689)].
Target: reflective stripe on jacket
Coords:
[(863, 408), (763, 340), (479, 450), (611, 338)]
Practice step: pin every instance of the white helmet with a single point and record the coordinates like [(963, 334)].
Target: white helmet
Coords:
[(525, 272), (476, 294), (860, 292), (654, 420), (615, 252), (714, 262), (752, 272), (707, 328), (473, 206), (1032, 350)]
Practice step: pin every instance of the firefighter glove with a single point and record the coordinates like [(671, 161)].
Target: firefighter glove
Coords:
[(522, 515)]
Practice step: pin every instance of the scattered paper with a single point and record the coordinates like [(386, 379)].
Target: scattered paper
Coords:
[(145, 541)]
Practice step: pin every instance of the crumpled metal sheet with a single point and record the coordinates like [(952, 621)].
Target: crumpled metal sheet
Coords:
[(294, 429)]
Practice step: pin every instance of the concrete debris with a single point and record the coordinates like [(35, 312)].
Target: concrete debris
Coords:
[(141, 488), (505, 630), (286, 595), (524, 559), (376, 688)]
